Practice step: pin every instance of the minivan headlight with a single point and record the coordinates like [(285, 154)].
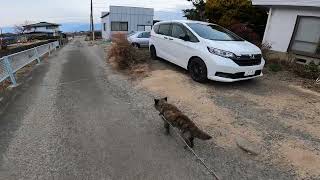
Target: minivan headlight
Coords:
[(220, 52)]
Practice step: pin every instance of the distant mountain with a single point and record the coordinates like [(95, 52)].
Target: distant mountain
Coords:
[(65, 27), (76, 27), (7, 29)]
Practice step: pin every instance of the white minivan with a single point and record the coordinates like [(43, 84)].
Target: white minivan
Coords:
[(207, 51)]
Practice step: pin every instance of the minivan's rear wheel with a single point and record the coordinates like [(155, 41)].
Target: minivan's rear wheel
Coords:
[(153, 53), (198, 70)]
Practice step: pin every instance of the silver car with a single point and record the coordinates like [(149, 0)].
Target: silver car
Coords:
[(139, 39)]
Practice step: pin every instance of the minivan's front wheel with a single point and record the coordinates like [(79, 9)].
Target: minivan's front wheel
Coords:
[(153, 53), (198, 70)]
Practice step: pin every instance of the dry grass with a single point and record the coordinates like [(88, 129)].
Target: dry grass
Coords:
[(309, 71), (21, 73), (122, 56), (307, 74)]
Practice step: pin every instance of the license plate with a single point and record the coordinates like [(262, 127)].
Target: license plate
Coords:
[(250, 73)]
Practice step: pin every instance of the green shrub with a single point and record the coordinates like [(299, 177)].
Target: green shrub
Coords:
[(275, 67), (310, 71)]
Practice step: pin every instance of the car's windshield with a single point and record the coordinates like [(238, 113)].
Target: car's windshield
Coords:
[(214, 32)]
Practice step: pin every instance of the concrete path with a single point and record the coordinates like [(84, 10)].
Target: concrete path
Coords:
[(73, 121)]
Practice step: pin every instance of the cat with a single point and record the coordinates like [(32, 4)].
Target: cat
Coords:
[(177, 119)]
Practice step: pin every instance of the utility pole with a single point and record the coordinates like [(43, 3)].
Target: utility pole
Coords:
[(91, 22), (0, 38)]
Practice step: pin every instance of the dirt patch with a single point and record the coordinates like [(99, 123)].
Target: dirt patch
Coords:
[(195, 102), (303, 158), (266, 111)]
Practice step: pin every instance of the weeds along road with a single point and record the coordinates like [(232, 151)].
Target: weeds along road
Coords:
[(75, 119)]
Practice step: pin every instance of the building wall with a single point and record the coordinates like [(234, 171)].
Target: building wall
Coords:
[(281, 25), (44, 29), (133, 15), (105, 33)]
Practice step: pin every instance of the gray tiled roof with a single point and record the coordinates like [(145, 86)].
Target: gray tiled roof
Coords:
[(43, 24)]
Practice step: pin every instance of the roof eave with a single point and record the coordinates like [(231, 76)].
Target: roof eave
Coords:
[(107, 14), (286, 6)]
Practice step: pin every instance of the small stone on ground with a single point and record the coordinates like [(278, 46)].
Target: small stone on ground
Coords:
[(248, 146)]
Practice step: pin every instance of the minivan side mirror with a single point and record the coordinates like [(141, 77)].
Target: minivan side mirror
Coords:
[(184, 37)]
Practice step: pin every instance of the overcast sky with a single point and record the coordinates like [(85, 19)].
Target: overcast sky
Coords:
[(62, 11)]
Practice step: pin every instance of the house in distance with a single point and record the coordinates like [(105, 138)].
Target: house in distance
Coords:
[(43, 28)]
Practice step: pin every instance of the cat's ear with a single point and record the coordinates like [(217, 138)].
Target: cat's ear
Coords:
[(156, 101), (166, 98)]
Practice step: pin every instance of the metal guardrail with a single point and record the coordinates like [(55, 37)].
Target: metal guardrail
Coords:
[(10, 64)]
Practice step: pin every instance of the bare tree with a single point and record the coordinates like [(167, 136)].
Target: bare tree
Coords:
[(20, 29)]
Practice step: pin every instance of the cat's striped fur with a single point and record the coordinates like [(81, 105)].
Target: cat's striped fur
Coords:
[(172, 114)]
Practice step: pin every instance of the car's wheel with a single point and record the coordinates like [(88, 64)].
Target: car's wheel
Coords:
[(198, 70), (135, 45), (153, 53)]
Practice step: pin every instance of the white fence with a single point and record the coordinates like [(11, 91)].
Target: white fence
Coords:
[(12, 63)]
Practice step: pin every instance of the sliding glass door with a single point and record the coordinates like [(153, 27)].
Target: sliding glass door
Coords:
[(306, 37)]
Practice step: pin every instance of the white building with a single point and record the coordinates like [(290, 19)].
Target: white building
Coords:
[(293, 26), (122, 19), (43, 28)]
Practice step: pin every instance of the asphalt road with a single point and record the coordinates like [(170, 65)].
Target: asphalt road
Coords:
[(75, 119)]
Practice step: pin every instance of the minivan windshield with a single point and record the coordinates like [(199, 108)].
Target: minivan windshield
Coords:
[(214, 32)]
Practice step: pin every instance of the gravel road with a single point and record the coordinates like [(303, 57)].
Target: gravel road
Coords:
[(76, 119)]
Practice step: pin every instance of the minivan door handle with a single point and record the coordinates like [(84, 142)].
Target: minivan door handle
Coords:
[(170, 39)]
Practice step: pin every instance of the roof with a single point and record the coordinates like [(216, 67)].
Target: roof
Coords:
[(105, 14), (113, 6), (183, 21), (42, 24), (304, 3)]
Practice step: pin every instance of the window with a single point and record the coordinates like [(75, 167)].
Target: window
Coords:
[(50, 27), (164, 29), (144, 28), (306, 37), (147, 28), (104, 27), (214, 32), (156, 28), (119, 26), (144, 35), (179, 31), (140, 28)]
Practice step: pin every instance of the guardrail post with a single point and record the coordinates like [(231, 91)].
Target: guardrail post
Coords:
[(37, 55), (10, 71), (49, 50)]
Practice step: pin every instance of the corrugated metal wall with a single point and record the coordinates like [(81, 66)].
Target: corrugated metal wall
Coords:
[(133, 15)]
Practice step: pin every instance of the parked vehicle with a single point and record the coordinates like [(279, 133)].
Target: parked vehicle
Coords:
[(139, 39), (207, 51)]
